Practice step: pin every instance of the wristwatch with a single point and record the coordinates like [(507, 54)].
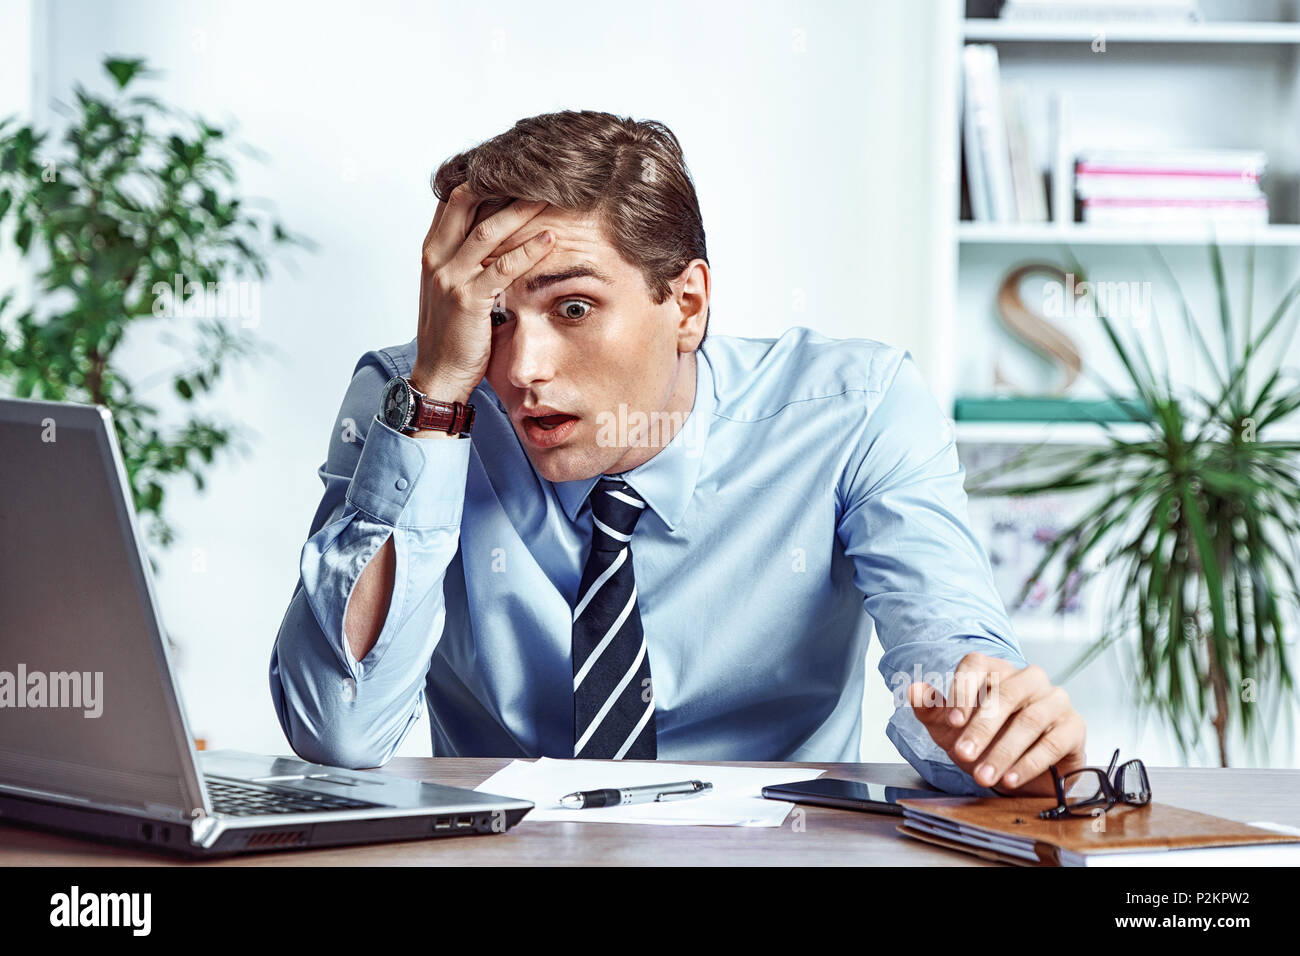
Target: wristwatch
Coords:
[(406, 409)]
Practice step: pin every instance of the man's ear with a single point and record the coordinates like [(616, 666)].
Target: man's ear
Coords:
[(691, 293)]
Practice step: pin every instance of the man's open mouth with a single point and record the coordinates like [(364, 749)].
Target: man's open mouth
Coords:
[(549, 422)]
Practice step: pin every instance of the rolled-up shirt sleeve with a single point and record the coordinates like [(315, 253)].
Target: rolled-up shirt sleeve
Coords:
[(377, 483), (925, 578)]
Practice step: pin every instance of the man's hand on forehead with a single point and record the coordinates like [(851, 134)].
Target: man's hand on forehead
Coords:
[(489, 207)]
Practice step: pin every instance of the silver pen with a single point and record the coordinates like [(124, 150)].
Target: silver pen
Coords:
[(622, 796)]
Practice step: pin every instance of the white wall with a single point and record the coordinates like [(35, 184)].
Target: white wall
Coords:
[(16, 91), (802, 124)]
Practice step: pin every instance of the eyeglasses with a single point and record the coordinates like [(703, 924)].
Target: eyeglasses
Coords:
[(1080, 792)]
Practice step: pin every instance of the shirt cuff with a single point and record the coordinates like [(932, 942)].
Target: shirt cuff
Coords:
[(406, 482), (928, 759)]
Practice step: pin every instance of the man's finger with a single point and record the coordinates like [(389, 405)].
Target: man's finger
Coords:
[(928, 705), (438, 213), (1005, 696), (1062, 744), (513, 264), (514, 241), (969, 686), (451, 221), (484, 237), (1021, 732), (462, 194), (927, 701)]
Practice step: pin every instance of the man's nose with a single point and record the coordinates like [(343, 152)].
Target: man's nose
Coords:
[(532, 351)]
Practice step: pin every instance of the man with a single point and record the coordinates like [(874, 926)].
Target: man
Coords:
[(643, 545)]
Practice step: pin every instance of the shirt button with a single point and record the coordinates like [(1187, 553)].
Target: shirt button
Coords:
[(349, 690), (401, 484)]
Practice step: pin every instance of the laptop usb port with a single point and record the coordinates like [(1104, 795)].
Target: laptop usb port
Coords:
[(464, 821), (442, 823)]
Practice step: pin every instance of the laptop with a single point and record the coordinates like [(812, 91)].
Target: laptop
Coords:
[(93, 737)]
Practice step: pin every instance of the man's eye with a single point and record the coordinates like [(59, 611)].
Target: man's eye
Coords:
[(568, 307), (573, 310)]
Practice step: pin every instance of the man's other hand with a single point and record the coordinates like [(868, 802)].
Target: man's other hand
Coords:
[(1004, 725)]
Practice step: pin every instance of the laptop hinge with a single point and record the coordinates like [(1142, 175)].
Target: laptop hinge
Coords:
[(204, 831)]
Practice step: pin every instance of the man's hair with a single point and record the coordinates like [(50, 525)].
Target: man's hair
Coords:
[(628, 174)]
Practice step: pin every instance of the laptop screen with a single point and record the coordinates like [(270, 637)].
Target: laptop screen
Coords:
[(87, 708)]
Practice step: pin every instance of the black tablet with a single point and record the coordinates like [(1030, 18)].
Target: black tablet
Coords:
[(848, 794)]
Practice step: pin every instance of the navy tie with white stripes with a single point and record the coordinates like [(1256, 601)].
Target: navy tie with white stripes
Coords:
[(613, 698)]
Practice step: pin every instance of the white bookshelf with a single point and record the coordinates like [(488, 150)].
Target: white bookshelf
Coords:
[(989, 30), (1226, 82), (1040, 234), (1047, 433), (1222, 82)]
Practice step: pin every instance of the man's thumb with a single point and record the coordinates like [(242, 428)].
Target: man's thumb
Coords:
[(927, 702)]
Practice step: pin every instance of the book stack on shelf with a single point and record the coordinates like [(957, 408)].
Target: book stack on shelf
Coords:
[(1171, 186), (1004, 181)]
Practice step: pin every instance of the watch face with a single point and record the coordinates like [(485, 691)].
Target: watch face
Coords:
[(397, 404)]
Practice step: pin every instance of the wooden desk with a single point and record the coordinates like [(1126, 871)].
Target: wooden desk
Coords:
[(821, 836)]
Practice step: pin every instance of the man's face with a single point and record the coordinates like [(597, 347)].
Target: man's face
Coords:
[(583, 345)]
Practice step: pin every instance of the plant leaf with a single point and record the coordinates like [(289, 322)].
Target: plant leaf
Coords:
[(123, 70)]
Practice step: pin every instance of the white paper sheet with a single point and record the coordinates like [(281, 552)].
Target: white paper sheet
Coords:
[(736, 799)]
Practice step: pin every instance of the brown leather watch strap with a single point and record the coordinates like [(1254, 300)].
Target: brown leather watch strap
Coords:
[(454, 418)]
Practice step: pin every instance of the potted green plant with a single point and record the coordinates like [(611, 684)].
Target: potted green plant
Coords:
[(1196, 516), (128, 226)]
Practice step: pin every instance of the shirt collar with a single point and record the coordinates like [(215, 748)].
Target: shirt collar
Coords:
[(666, 481)]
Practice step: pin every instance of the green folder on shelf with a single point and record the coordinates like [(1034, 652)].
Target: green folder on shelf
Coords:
[(1048, 408)]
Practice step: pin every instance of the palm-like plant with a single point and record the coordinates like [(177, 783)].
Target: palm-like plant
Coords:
[(1198, 518)]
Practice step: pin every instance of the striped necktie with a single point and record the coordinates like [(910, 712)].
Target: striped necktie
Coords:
[(613, 700)]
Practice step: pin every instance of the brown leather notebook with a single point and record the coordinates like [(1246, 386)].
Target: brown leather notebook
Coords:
[(1009, 829)]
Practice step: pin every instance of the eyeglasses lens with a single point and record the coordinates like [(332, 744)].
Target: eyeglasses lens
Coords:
[(1083, 788), (1131, 784)]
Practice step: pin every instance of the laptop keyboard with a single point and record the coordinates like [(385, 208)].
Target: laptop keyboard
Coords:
[(244, 800)]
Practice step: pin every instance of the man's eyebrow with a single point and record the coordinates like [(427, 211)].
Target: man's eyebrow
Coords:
[(577, 272)]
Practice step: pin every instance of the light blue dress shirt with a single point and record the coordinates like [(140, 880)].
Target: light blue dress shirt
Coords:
[(815, 487)]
